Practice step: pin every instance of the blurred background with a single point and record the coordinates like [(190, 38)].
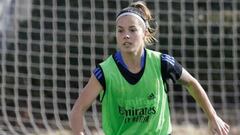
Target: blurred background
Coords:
[(48, 49)]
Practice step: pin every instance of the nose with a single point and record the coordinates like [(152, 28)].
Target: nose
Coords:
[(126, 36)]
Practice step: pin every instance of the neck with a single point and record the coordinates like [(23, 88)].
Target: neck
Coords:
[(133, 60)]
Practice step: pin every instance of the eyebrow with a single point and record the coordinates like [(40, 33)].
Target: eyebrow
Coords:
[(129, 26)]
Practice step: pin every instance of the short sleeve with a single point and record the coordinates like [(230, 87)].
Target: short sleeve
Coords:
[(171, 69), (98, 72)]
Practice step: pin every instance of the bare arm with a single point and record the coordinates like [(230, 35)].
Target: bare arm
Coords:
[(216, 124), (85, 99)]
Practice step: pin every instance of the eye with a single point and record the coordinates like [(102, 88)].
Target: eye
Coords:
[(133, 30), (120, 30)]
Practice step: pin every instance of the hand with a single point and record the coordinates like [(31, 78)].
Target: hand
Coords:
[(218, 126)]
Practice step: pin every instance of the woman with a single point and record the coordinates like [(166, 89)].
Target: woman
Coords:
[(131, 83)]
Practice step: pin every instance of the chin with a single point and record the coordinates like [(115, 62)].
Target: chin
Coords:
[(129, 50)]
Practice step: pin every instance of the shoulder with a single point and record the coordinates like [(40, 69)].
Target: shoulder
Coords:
[(153, 54), (108, 62), (170, 67), (165, 58)]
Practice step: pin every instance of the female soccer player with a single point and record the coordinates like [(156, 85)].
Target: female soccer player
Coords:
[(132, 83)]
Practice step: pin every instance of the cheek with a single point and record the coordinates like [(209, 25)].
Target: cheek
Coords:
[(139, 37), (118, 37)]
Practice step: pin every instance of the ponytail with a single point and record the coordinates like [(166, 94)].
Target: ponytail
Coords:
[(150, 21)]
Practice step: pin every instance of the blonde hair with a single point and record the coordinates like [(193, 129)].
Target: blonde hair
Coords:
[(150, 21)]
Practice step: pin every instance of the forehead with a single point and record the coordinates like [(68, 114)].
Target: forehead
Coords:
[(128, 20)]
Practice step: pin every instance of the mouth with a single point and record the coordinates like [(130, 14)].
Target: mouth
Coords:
[(127, 44)]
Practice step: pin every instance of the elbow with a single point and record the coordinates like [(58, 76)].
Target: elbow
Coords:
[(75, 117), (192, 82), (76, 114), (189, 82), (72, 117), (194, 87)]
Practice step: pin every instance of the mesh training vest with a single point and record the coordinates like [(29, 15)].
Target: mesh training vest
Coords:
[(137, 109)]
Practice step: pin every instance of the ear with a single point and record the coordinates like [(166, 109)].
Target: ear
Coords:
[(146, 33)]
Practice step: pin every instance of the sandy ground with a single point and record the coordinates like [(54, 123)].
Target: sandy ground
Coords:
[(177, 130)]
